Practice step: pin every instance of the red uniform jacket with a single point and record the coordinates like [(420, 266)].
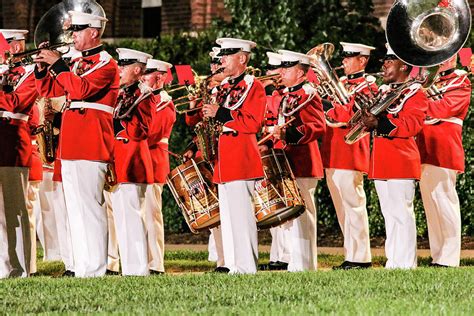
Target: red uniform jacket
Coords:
[(15, 140), (132, 157), (36, 169), (163, 118), (242, 109), (86, 133), (274, 96), (335, 152), (394, 151), (440, 141), (301, 136)]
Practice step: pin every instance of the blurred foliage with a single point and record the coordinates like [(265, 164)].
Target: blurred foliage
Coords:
[(295, 25)]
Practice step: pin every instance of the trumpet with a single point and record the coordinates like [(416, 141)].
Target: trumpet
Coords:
[(26, 58)]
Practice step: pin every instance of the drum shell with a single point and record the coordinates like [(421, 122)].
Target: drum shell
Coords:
[(195, 194)]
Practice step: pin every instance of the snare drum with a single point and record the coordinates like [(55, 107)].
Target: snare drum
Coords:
[(277, 197), (196, 195)]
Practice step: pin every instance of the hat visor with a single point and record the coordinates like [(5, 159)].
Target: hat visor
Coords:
[(288, 64), (126, 62), (78, 27), (228, 51), (350, 54), (273, 67), (389, 57)]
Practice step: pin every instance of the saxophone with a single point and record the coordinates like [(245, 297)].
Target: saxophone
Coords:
[(47, 140), (208, 130)]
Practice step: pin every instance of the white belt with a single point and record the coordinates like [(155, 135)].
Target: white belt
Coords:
[(454, 120), (14, 116), (164, 140), (90, 105)]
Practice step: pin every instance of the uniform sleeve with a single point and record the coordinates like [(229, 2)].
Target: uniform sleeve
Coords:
[(80, 88), (138, 126), (21, 98), (194, 117), (408, 122), (313, 124), (453, 103), (46, 85), (249, 117)]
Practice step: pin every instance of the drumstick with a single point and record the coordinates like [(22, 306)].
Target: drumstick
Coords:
[(263, 140)]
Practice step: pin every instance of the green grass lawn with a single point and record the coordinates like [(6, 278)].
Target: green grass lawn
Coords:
[(422, 291)]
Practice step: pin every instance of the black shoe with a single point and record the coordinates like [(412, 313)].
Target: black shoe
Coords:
[(347, 265), (437, 265), (221, 270), (111, 272), (153, 272), (34, 274), (69, 274), (278, 266), (266, 266)]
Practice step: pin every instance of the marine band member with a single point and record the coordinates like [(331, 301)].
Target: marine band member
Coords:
[(163, 119), (17, 99), (132, 160), (241, 110), (395, 161), (346, 165), (280, 247), (442, 158), (86, 137), (300, 100)]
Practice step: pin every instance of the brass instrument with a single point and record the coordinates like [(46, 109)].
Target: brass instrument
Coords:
[(47, 134), (26, 57), (421, 34), (330, 86), (209, 129)]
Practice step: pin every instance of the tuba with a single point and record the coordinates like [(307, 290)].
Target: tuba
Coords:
[(329, 84), (422, 33)]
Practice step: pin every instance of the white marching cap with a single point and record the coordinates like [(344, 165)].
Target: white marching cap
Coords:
[(274, 59), (355, 49), (231, 46), (130, 56), (81, 20), (13, 35), (290, 58), (157, 65)]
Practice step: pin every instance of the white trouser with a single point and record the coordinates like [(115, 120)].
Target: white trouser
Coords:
[(46, 197), (62, 226), (216, 252), (302, 230), (396, 202), (83, 183), (155, 227), (113, 256), (348, 196), (443, 213), (15, 241), (280, 248), (128, 201), (35, 220), (238, 225)]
